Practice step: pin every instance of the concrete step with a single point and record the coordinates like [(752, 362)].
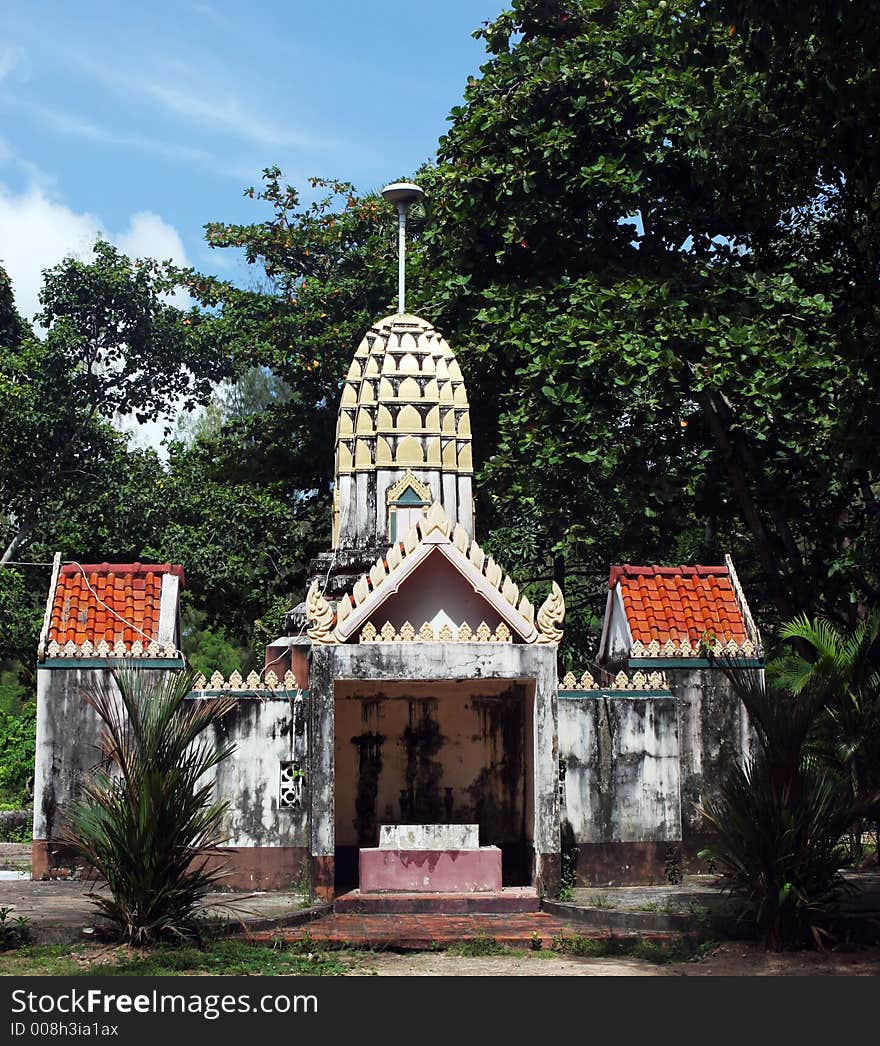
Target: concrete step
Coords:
[(419, 932), (508, 901)]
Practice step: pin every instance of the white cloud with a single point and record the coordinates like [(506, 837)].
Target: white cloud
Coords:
[(37, 231), (148, 236)]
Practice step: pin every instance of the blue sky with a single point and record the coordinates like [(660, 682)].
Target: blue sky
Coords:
[(145, 121)]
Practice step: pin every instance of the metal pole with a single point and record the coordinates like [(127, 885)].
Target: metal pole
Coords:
[(401, 258), (402, 195)]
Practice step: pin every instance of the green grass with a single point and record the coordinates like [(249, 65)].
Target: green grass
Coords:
[(304, 957), (219, 957), (482, 944), (49, 960), (684, 949)]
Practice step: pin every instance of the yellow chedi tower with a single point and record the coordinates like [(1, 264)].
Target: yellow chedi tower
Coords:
[(403, 436)]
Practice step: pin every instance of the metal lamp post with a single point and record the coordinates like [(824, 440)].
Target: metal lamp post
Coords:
[(403, 195)]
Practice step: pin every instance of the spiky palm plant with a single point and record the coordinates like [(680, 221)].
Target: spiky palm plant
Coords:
[(147, 823), (846, 666), (779, 817)]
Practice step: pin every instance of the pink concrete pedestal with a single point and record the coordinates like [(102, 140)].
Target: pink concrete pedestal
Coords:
[(431, 871)]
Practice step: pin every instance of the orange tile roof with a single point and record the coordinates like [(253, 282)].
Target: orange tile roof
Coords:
[(88, 599), (666, 603)]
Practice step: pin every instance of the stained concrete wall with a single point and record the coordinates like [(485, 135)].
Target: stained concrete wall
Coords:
[(621, 811), (67, 743), (270, 843), (714, 734), (265, 735)]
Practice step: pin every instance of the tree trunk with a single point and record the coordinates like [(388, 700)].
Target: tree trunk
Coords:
[(767, 545), (12, 547)]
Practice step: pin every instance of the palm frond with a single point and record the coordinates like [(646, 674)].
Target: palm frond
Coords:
[(147, 823)]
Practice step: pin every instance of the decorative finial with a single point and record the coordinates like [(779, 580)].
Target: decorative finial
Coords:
[(404, 195), (550, 617)]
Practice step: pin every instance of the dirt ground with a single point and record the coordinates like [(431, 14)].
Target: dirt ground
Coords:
[(732, 959)]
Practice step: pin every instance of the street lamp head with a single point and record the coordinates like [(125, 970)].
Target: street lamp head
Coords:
[(405, 193)]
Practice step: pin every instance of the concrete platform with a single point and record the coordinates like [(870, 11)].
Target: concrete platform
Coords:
[(61, 912), (509, 901), (430, 871)]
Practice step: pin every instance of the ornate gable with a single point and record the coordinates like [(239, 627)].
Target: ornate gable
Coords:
[(463, 564), (407, 482)]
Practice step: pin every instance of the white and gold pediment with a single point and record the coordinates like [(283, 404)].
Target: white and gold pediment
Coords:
[(434, 550)]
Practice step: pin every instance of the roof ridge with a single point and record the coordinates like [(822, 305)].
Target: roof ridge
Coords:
[(620, 570), (75, 567)]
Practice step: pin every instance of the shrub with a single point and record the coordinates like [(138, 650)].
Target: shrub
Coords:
[(147, 824), (15, 931), (780, 817), (17, 734)]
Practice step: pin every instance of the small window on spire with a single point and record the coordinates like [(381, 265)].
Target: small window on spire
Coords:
[(407, 501), (404, 514)]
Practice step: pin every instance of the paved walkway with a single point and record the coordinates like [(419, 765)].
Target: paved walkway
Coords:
[(698, 891), (62, 912)]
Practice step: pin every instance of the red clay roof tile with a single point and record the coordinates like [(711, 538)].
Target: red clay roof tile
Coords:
[(665, 603), (88, 599)]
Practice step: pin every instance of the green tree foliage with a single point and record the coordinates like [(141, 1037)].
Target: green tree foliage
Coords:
[(243, 532), (256, 391), (147, 823), (636, 263), (12, 327), (644, 289), (648, 235), (113, 346), (17, 732), (817, 67)]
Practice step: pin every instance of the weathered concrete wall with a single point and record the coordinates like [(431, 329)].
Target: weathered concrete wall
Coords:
[(270, 841), (345, 670), (620, 805), (713, 736), (265, 736), (67, 743)]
